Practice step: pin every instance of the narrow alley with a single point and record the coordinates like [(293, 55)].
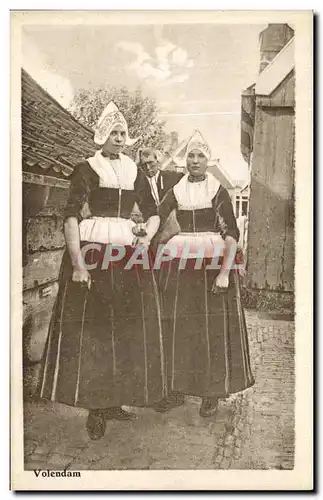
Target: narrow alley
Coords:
[(253, 430)]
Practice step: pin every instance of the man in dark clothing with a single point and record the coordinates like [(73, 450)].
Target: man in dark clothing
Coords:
[(152, 183), (151, 186)]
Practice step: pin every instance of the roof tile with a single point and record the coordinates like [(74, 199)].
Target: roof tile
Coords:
[(52, 139)]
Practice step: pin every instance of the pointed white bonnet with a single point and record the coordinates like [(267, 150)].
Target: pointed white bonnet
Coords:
[(110, 117), (197, 142)]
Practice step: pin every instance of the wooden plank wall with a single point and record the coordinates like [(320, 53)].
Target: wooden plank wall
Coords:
[(271, 215)]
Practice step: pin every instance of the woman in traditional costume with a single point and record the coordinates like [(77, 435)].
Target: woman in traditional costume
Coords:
[(105, 346), (206, 342)]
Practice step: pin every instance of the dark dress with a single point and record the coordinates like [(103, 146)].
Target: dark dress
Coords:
[(206, 342), (105, 345)]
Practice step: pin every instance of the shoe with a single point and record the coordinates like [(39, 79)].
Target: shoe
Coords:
[(95, 424), (117, 413), (209, 407), (170, 402)]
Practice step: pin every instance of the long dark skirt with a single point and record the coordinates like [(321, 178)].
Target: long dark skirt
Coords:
[(105, 345), (206, 342)]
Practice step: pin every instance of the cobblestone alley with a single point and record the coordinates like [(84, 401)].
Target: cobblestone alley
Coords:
[(254, 430)]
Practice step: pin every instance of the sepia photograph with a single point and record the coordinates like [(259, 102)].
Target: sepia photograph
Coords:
[(156, 196)]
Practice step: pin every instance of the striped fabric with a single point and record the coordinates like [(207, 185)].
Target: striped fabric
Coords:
[(206, 339), (105, 345), (248, 106)]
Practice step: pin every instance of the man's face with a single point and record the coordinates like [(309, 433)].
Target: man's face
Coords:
[(149, 162)]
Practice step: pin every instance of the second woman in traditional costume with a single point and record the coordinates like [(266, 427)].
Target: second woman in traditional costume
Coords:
[(205, 331)]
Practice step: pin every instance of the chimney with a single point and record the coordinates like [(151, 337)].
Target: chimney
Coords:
[(272, 40)]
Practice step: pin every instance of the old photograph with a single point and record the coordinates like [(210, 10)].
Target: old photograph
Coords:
[(158, 175)]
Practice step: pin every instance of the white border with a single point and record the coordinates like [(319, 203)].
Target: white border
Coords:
[(301, 476)]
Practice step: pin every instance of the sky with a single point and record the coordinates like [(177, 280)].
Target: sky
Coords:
[(196, 72)]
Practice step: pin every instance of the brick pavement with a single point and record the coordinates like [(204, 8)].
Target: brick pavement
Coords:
[(252, 430)]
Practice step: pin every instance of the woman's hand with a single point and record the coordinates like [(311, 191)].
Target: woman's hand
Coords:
[(142, 241), (221, 283), (81, 276)]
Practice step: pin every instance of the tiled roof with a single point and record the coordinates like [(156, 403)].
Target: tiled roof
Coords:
[(53, 141)]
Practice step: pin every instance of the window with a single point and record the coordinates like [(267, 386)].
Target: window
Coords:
[(244, 208), (237, 207)]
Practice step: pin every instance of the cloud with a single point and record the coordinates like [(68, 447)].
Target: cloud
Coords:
[(165, 67), (56, 85), (146, 70), (179, 78), (162, 53), (180, 58), (135, 48)]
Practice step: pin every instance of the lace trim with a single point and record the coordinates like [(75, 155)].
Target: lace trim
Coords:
[(195, 207)]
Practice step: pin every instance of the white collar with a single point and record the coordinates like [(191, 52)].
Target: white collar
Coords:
[(196, 195), (154, 177), (123, 177)]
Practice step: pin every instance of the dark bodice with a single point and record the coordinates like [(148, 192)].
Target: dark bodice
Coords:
[(219, 218), (99, 201), (111, 202), (192, 221)]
